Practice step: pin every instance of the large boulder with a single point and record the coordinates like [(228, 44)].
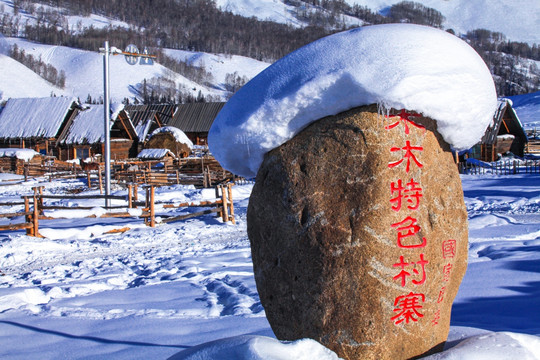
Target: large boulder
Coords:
[(358, 232)]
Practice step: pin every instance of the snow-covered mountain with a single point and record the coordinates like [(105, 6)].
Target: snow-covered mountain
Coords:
[(519, 20), (84, 73)]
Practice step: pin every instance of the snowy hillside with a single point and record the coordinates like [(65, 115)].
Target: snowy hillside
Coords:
[(519, 20), (528, 109), (84, 73), (14, 83)]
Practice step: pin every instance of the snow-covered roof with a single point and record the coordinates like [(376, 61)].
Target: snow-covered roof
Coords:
[(142, 129), (22, 154), (87, 127), (178, 134), (34, 117), (400, 66), (153, 154)]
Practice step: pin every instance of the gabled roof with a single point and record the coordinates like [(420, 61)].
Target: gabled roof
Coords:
[(87, 126), (144, 116), (196, 117), (143, 113), (155, 154), (505, 121), (35, 117)]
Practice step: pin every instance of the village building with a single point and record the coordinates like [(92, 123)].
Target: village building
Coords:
[(172, 139), (84, 134), (36, 123), (147, 118), (164, 156), (505, 134), (195, 120)]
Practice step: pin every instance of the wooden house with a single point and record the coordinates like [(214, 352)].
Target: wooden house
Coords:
[(195, 120), (14, 159), (35, 123), (505, 134), (164, 156), (84, 134), (147, 118), (170, 138)]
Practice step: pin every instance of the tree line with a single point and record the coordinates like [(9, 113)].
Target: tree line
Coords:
[(46, 71), (198, 25)]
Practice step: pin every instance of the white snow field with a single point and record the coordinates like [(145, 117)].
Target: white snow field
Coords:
[(187, 288)]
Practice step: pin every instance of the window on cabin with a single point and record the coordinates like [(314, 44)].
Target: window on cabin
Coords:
[(476, 152), (82, 153)]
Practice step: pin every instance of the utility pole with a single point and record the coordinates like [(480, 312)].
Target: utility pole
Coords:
[(131, 55), (106, 124)]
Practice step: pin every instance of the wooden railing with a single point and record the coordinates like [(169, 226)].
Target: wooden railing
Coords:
[(199, 172), (222, 205), (500, 167)]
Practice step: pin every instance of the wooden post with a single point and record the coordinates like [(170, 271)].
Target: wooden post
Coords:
[(229, 188), (225, 213), (100, 177), (25, 171), (88, 179), (41, 198), (130, 199), (219, 213), (27, 218), (35, 215), (135, 192), (177, 176), (152, 207), (209, 176), (147, 204)]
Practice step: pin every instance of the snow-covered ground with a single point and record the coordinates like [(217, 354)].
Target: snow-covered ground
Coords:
[(150, 293)]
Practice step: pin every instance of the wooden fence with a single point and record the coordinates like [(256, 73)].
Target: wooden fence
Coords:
[(500, 168), (199, 172), (223, 206)]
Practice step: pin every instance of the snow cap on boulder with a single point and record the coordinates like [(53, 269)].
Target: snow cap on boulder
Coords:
[(400, 66)]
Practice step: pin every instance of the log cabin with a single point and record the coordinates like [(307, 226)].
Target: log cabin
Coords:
[(505, 134), (195, 120), (84, 134), (36, 123)]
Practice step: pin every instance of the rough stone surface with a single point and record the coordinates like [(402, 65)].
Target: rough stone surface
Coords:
[(325, 254)]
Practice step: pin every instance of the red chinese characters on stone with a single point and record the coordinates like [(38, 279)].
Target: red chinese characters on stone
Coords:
[(405, 118), (408, 149), (447, 269), (449, 248), (407, 228), (408, 308), (436, 318), (403, 274), (441, 295), (411, 193)]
